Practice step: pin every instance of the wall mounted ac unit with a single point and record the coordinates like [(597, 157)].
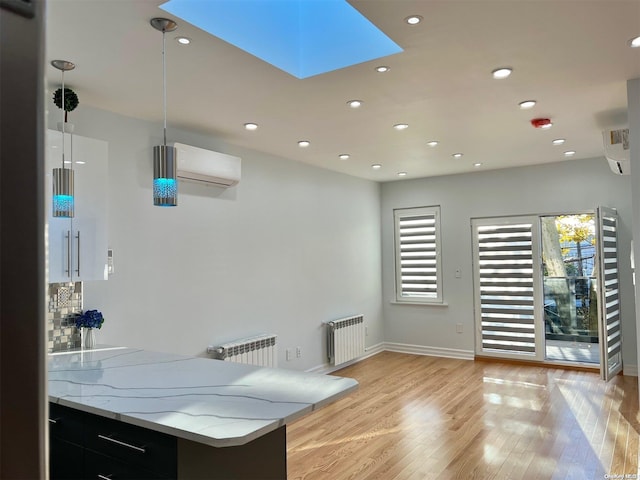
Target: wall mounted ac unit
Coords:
[(204, 166), (616, 149)]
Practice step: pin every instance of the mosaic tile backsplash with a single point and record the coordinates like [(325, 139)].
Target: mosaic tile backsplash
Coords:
[(63, 300)]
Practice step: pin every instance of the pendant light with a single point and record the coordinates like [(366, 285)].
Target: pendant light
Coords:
[(63, 177), (165, 184)]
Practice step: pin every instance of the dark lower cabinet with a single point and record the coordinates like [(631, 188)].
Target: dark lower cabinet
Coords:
[(102, 467), (86, 446), (69, 460)]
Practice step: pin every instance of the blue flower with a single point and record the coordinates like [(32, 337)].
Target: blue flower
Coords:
[(90, 319)]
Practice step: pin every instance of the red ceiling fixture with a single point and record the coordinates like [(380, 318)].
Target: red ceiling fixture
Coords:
[(541, 122)]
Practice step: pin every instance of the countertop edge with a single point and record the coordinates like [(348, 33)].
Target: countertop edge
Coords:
[(204, 439)]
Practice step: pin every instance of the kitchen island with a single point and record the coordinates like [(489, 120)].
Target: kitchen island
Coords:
[(139, 412)]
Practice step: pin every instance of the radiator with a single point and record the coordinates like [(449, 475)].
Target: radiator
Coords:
[(345, 339), (261, 351)]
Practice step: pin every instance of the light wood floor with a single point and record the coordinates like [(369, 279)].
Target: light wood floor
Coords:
[(418, 418)]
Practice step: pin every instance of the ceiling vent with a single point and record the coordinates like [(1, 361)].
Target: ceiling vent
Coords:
[(206, 167), (616, 149)]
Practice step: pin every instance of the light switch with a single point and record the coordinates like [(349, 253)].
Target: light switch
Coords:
[(458, 273), (110, 269)]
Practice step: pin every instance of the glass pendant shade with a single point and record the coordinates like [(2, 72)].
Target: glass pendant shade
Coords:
[(165, 184), (63, 193)]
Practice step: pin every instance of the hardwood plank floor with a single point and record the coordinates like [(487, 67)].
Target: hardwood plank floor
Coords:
[(420, 418)]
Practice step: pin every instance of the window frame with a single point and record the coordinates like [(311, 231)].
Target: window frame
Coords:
[(400, 214)]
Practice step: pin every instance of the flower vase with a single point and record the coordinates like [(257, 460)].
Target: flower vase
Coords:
[(88, 338)]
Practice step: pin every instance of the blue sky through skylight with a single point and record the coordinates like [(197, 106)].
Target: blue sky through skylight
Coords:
[(302, 37)]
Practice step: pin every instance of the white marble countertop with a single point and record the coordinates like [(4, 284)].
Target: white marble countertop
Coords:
[(208, 401)]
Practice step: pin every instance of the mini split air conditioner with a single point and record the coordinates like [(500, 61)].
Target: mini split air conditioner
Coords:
[(206, 167), (616, 149)]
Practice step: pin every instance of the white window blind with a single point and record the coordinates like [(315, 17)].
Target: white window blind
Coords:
[(611, 327), (505, 263), (418, 272)]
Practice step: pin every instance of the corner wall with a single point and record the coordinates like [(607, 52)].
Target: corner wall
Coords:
[(564, 187)]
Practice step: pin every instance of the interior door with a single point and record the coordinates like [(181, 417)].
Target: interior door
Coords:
[(507, 278), (609, 311)]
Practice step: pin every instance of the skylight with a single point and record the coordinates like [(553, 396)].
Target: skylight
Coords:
[(302, 37)]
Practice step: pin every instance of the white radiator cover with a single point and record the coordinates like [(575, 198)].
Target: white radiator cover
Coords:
[(261, 351), (345, 339)]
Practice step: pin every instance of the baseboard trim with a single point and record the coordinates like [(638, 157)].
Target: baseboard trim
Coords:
[(327, 368), (430, 351), (628, 370)]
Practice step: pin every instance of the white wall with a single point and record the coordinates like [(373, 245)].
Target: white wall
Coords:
[(293, 246), (633, 101), (566, 187), (290, 247)]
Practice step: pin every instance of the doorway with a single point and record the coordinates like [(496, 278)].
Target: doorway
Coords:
[(546, 289), (569, 286)]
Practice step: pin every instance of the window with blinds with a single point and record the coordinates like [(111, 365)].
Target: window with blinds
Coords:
[(418, 271), (505, 276)]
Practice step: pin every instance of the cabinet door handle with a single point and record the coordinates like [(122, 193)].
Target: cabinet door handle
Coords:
[(68, 237), (78, 252), (105, 477), (51, 420), (122, 444)]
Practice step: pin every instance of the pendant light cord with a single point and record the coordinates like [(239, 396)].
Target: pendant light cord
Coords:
[(164, 87), (63, 105)]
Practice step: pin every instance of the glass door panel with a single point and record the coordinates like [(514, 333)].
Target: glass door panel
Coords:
[(506, 272), (610, 326), (570, 288)]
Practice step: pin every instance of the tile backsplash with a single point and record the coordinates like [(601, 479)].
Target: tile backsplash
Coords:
[(63, 300)]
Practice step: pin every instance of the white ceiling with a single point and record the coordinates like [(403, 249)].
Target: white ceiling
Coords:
[(571, 56)]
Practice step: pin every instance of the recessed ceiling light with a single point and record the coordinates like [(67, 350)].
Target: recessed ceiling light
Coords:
[(413, 19), (634, 42), (251, 126), (558, 141), (344, 156), (376, 166), (382, 69), (402, 174), (183, 40), (355, 103), (546, 126), (67, 161), (304, 143), (502, 72), (457, 155), (80, 162), (401, 126), (432, 143), (569, 153), (527, 104), (477, 164)]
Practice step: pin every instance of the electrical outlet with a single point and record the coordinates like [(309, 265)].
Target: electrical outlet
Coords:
[(458, 272), (298, 352), (288, 354), (458, 328)]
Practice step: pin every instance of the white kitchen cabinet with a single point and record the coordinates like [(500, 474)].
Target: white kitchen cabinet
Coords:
[(78, 246)]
